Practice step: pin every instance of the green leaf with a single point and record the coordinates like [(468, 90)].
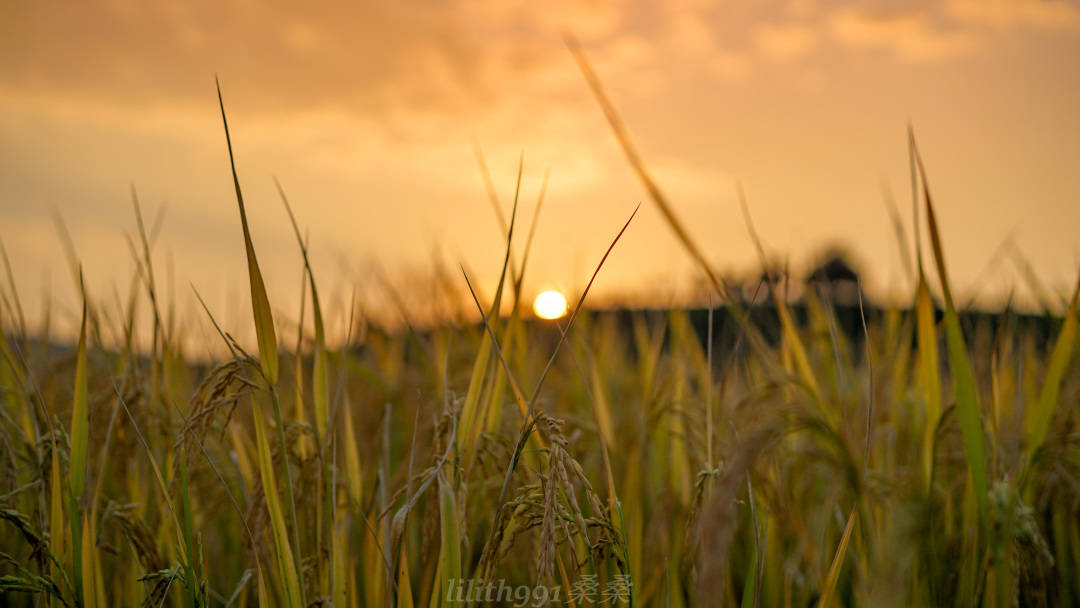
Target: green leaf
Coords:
[(828, 590), (1055, 370), (967, 398), (260, 304)]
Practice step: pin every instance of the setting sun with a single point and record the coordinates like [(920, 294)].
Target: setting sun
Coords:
[(550, 305)]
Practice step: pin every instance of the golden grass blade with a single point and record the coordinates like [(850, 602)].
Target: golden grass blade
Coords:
[(648, 344), (372, 573), (320, 378), (791, 333), (471, 420), (526, 423), (70, 253), (341, 573), (898, 232), (601, 409), (162, 486), (404, 586), (286, 565), (926, 328), (80, 416), (242, 448), (263, 594), (929, 368), (751, 331), (489, 186), (638, 165), (709, 462), (353, 471), (88, 559), (450, 547), (59, 542), (95, 495), (16, 303), (77, 464), (828, 590), (190, 572), (470, 425), (914, 174), (494, 343), (578, 308), (673, 428), (491, 411), (1023, 265), (1055, 371), (16, 400), (260, 304), (529, 237), (304, 445), (602, 417), (967, 399)]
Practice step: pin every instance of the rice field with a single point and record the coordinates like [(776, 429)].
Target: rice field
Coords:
[(931, 458)]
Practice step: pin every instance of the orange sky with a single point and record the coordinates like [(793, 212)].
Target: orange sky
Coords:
[(365, 112)]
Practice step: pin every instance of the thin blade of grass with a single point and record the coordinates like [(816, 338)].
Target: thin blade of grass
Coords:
[(898, 231), (967, 399), (88, 557), (471, 416), (260, 304), (528, 422), (353, 470), (59, 542), (1060, 357), (283, 549), (828, 590), (77, 465), (636, 162), (320, 377), (929, 367), (80, 415), (791, 332), (450, 546)]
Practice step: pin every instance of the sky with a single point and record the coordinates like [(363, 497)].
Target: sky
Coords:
[(367, 112)]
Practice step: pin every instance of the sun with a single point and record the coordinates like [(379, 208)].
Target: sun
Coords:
[(550, 305)]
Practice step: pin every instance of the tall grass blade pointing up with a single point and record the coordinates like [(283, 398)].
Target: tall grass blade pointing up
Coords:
[(260, 304), (529, 422), (926, 328), (320, 381), (80, 437), (80, 415), (791, 333), (639, 166), (471, 417), (1055, 370), (967, 398), (283, 550), (829, 588), (264, 331)]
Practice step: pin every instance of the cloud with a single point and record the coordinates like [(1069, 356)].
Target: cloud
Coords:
[(365, 58), (784, 42), (1045, 14), (910, 37), (731, 65)]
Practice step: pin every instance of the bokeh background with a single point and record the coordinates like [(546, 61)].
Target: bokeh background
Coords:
[(367, 112)]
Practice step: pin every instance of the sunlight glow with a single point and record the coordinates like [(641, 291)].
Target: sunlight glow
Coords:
[(550, 305)]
